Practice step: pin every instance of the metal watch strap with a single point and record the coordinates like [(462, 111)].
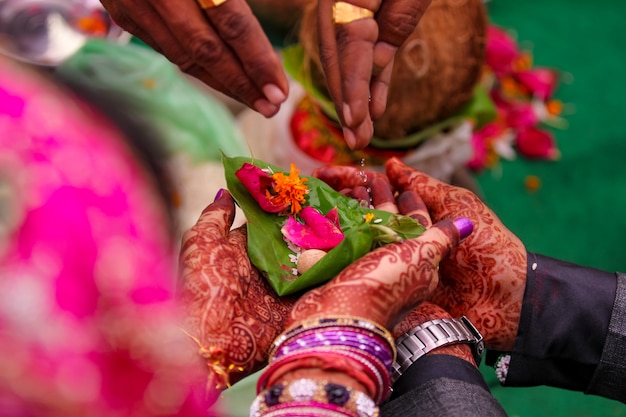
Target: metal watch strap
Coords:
[(433, 334)]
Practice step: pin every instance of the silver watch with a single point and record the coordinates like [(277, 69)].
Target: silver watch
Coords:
[(420, 340)]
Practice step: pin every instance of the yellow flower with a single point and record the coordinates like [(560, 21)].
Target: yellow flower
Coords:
[(289, 189), (369, 217)]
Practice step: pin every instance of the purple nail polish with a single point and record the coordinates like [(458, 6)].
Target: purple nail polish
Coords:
[(464, 226), (219, 194)]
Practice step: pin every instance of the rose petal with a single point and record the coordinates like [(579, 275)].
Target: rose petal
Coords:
[(501, 50), (521, 115), (317, 231), (541, 82), (258, 183), (536, 143)]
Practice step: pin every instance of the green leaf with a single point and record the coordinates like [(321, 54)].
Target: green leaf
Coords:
[(269, 252)]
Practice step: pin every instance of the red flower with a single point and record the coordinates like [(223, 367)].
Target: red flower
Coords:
[(502, 50), (259, 184), (536, 143), (541, 82)]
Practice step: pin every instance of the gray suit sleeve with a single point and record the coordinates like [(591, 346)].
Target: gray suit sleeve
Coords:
[(444, 397), (609, 379)]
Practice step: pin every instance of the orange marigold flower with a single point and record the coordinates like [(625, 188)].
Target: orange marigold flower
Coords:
[(289, 189)]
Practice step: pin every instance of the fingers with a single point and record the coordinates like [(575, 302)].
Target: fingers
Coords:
[(388, 282), (210, 46), (445, 235), (341, 177), (396, 21), (370, 187), (381, 193), (214, 222), (403, 177), (346, 54), (237, 26), (411, 204)]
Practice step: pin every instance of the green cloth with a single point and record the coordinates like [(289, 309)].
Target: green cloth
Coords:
[(578, 213), (188, 118)]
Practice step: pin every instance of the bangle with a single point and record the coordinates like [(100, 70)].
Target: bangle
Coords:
[(340, 338), (335, 322)]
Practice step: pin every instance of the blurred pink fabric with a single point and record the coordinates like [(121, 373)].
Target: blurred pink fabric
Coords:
[(88, 320)]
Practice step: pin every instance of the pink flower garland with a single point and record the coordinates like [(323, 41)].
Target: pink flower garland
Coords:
[(524, 102)]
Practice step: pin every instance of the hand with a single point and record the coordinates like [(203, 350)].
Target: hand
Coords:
[(484, 278), (357, 59), (223, 46), (232, 312), (387, 283)]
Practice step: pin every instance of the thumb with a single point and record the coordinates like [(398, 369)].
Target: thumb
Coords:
[(215, 221), (446, 235)]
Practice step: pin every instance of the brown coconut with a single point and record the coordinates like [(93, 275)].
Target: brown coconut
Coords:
[(435, 71)]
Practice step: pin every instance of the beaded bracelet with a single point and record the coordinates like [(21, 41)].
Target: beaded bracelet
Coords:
[(356, 364), (315, 395)]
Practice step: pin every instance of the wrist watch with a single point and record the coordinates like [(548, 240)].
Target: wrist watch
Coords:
[(420, 340)]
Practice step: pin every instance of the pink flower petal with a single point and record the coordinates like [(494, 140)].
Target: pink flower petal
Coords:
[(521, 115), (541, 82), (317, 231), (502, 50), (479, 142), (258, 183), (536, 143)]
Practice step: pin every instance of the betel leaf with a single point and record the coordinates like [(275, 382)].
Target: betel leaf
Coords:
[(269, 252)]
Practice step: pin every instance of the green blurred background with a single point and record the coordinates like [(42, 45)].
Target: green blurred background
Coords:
[(578, 213)]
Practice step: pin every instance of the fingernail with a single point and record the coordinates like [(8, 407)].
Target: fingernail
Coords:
[(464, 226), (349, 137), (274, 94), (266, 108), (347, 114), (219, 194)]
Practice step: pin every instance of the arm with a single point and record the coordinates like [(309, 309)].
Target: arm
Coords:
[(447, 374), (568, 316)]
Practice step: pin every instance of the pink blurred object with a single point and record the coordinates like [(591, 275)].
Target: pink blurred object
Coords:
[(541, 82), (317, 231), (533, 142), (89, 325), (502, 50)]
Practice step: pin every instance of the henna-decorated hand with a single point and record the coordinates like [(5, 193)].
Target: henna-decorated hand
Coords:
[(484, 278), (232, 312), (389, 282)]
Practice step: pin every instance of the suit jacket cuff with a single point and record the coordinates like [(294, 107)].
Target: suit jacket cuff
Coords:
[(563, 326), (432, 367)]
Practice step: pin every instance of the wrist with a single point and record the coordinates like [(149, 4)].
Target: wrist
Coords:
[(435, 332)]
